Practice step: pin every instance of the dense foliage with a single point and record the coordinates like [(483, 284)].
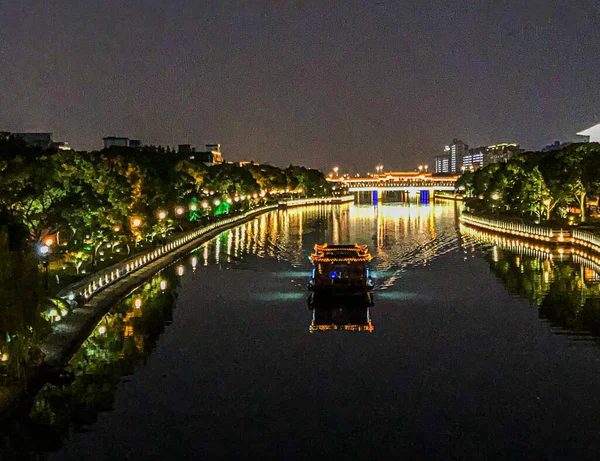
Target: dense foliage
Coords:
[(543, 185), (95, 196)]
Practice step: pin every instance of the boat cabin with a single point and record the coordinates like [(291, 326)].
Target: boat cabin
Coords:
[(340, 268)]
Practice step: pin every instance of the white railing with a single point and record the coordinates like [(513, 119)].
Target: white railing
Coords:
[(586, 239), (513, 228), (96, 282)]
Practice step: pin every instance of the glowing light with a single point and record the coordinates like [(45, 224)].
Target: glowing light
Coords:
[(137, 303), (204, 204), (180, 270), (163, 285), (194, 262), (229, 201), (179, 210), (217, 202), (162, 215), (116, 228), (136, 222), (255, 196), (49, 241), (44, 249), (495, 196), (102, 330), (193, 207), (4, 357), (236, 199)]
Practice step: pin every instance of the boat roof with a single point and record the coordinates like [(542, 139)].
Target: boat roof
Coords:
[(340, 253)]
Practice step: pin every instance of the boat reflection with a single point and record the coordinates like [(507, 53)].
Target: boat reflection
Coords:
[(346, 313)]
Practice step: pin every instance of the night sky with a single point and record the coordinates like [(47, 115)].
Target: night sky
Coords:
[(353, 83)]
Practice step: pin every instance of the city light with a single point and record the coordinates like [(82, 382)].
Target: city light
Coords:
[(137, 303), (217, 202), (193, 207), (229, 201), (162, 214), (179, 210), (44, 249), (49, 241), (495, 196), (102, 330), (117, 229), (163, 285), (4, 357), (205, 204), (180, 270), (136, 222)]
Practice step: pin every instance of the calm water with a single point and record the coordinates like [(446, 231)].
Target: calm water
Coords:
[(474, 350)]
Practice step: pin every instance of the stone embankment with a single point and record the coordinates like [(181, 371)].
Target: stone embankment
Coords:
[(93, 296)]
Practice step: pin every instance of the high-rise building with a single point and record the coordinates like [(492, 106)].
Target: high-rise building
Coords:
[(442, 164), (458, 150), (502, 153)]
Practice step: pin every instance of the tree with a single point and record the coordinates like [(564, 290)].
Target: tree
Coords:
[(77, 258)]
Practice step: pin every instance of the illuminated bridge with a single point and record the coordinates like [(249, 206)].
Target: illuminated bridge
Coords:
[(408, 184)]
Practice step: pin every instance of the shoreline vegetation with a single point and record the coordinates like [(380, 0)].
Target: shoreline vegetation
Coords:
[(557, 188), (66, 214)]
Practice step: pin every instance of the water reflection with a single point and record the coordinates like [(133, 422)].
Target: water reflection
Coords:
[(121, 340), (344, 313), (564, 286)]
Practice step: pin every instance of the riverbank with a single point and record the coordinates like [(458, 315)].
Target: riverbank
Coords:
[(571, 239), (99, 291)]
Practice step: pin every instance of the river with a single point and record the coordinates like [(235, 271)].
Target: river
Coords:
[(474, 351)]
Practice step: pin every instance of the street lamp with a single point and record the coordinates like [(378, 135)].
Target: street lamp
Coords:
[(45, 252), (495, 196), (136, 222), (162, 214), (179, 210)]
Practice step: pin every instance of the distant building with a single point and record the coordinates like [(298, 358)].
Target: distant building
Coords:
[(442, 164), (115, 141), (475, 158), (592, 133), (41, 140), (502, 153), (458, 150), (210, 156), (61, 145), (556, 145)]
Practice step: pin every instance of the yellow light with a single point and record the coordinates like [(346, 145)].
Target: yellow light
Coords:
[(163, 285), (162, 215), (102, 330), (179, 210), (236, 199), (180, 270), (4, 357), (217, 202), (49, 241), (137, 303), (229, 201), (117, 229), (255, 196), (193, 207), (136, 222), (204, 204), (194, 262)]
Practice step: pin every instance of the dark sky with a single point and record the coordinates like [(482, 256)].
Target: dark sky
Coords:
[(353, 83)]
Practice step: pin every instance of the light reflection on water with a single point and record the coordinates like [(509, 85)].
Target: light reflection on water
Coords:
[(273, 248)]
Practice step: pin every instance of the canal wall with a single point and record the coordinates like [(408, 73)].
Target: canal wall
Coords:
[(574, 240), (93, 296)]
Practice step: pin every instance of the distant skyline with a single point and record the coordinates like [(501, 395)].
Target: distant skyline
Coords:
[(352, 83)]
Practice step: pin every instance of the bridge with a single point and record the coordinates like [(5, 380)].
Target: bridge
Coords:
[(415, 184)]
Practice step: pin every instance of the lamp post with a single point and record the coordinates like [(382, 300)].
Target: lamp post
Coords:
[(45, 252)]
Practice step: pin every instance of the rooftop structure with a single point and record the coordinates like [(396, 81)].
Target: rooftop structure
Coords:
[(592, 133), (116, 141)]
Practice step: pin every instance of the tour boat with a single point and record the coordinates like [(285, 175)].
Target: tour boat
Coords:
[(340, 270)]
